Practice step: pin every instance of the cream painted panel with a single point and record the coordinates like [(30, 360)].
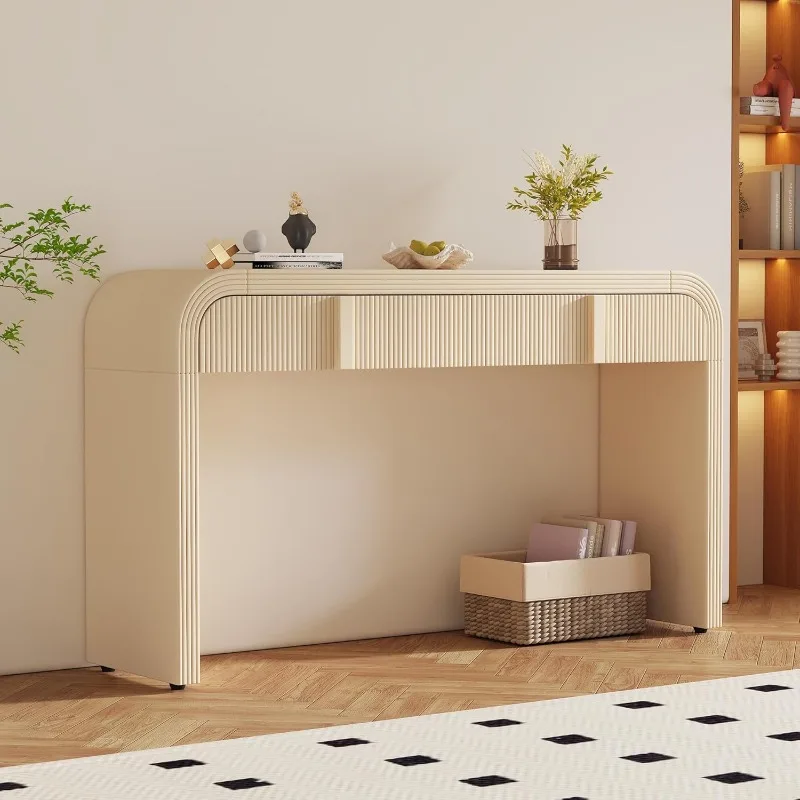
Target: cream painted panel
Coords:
[(269, 333), (655, 327), (471, 330), (136, 568), (655, 445)]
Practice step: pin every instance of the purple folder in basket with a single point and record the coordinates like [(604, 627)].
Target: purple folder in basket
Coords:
[(557, 543)]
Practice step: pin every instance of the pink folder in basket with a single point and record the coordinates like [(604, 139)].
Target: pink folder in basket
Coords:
[(557, 543)]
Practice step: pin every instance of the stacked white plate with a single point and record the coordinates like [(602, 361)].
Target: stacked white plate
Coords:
[(789, 355)]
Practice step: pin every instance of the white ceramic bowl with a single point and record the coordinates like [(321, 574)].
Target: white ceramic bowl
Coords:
[(452, 257)]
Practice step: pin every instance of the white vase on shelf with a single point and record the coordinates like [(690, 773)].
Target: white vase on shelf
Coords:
[(789, 355)]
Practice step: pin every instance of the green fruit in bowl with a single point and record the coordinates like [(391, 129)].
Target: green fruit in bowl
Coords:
[(440, 245), (418, 247), (432, 250)]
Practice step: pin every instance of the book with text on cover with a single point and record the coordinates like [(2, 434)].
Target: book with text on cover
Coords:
[(612, 536), (291, 260), (760, 227)]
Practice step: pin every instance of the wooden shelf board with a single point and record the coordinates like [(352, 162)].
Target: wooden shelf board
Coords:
[(769, 254), (753, 124), (767, 386)]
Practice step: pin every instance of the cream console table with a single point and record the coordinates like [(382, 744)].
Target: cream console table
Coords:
[(648, 345)]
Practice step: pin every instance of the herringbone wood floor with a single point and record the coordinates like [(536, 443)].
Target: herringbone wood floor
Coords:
[(74, 713)]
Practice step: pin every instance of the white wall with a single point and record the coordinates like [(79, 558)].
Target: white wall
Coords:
[(181, 121)]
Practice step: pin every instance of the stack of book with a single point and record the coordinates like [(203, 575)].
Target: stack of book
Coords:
[(772, 221), (291, 260), (765, 106), (566, 538)]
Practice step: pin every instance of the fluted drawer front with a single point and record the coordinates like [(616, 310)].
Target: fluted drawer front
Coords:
[(269, 333), (655, 327), (393, 332)]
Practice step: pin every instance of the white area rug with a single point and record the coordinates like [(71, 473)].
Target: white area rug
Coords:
[(733, 738)]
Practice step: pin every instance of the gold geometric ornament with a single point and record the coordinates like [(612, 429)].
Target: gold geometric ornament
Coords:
[(221, 253)]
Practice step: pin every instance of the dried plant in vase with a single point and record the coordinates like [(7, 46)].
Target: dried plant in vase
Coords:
[(558, 195), (744, 206)]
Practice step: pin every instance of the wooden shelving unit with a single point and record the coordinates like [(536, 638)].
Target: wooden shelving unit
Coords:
[(753, 124), (768, 386), (762, 28), (769, 254)]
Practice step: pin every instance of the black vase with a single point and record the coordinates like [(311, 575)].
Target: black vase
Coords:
[(298, 230)]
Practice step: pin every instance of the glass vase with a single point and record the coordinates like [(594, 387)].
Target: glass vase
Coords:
[(560, 243)]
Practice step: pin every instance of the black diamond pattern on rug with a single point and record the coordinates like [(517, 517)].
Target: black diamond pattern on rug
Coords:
[(637, 704), (733, 777), (769, 687), (181, 763), (497, 723), (647, 758), (345, 742), (487, 780), (792, 736), (570, 738), (243, 783), (413, 761), (431, 752)]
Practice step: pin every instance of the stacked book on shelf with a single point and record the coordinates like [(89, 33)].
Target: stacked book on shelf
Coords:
[(771, 220), (765, 106), (291, 260), (567, 538)]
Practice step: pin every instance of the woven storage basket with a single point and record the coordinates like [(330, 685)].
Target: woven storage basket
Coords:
[(559, 620), (534, 603)]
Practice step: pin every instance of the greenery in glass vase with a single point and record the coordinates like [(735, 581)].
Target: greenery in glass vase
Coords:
[(43, 237), (562, 190)]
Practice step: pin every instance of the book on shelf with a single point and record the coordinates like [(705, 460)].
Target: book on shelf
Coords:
[(628, 541), (788, 203), (612, 535), (769, 106), (296, 264), (290, 256), (596, 530), (760, 227), (769, 112), (557, 543), (291, 260), (561, 538)]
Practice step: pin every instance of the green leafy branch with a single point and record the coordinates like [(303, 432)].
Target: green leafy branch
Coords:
[(44, 236), (567, 189)]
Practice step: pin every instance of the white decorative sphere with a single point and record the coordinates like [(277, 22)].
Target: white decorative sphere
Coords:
[(255, 241)]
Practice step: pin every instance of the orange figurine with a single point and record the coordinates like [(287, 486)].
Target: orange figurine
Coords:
[(777, 83)]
